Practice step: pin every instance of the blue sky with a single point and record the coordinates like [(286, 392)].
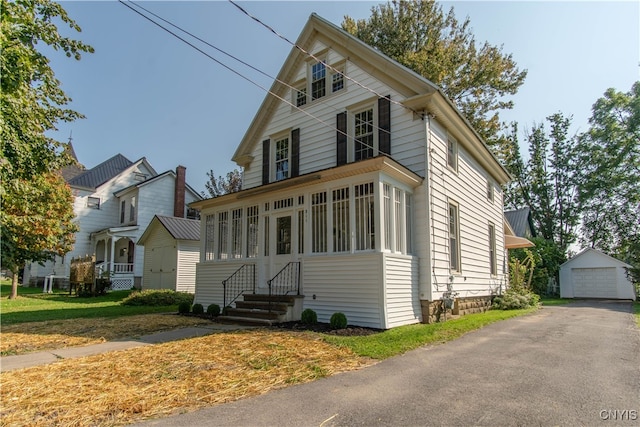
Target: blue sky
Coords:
[(146, 94)]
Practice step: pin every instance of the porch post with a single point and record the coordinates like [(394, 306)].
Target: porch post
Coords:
[(113, 251)]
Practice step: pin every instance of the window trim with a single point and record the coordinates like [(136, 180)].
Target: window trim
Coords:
[(452, 155), (93, 202), (493, 254), (286, 160), (457, 269)]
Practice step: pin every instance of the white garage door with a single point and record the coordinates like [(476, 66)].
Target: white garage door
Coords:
[(594, 283)]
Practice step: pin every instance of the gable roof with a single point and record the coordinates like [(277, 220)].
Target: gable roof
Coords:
[(178, 228), (98, 175), (597, 253), (420, 94), (520, 220), (155, 178)]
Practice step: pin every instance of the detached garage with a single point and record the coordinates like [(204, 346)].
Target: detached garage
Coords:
[(171, 251), (593, 274)]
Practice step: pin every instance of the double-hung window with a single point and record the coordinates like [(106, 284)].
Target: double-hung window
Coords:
[(318, 80), (454, 238), (493, 264), (452, 153), (363, 133), (282, 158)]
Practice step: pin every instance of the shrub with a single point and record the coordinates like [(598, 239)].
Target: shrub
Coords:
[(157, 298), (309, 317), (515, 299), (197, 309), (338, 321), (213, 309), (184, 307)]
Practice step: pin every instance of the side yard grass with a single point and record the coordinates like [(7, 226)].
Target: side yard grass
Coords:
[(32, 305)]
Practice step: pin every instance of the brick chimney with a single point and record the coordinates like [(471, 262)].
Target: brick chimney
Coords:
[(178, 199)]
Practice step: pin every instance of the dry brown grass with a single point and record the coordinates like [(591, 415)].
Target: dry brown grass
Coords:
[(28, 337), (153, 381)]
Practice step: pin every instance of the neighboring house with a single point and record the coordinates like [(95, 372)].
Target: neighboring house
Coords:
[(114, 203), (365, 190), (171, 251), (521, 222), (594, 274)]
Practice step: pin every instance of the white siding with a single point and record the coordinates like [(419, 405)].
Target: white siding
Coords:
[(351, 284), (188, 256), (318, 137), (209, 277), (402, 301), (468, 188)]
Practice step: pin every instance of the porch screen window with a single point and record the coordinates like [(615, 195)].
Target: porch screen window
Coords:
[(386, 205), (341, 230), (283, 232), (364, 134), (236, 233), (209, 241), (266, 236), (318, 82), (408, 221), (282, 159), (223, 227), (319, 222), (301, 216), (364, 205), (493, 266), (252, 232), (454, 238), (398, 219)]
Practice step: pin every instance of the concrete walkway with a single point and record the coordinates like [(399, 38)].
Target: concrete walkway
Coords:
[(9, 363)]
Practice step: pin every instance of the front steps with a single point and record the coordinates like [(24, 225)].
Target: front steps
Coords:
[(264, 310)]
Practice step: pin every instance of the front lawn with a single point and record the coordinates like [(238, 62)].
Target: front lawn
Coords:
[(402, 339), (32, 305)]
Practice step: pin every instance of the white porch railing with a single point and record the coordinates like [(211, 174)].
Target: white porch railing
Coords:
[(122, 277)]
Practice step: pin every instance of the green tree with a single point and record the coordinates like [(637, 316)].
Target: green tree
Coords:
[(223, 185), (548, 182), (37, 209), (419, 35), (610, 191)]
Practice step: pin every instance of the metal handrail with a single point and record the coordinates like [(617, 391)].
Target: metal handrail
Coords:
[(287, 280), (242, 280)]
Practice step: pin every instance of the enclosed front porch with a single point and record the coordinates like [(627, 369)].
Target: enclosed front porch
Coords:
[(339, 238)]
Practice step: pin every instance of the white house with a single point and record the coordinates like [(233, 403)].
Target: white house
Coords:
[(171, 251), (114, 203), (594, 274), (365, 191)]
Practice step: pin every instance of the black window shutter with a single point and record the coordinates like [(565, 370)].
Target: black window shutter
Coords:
[(265, 161), (384, 125), (341, 138), (295, 152)]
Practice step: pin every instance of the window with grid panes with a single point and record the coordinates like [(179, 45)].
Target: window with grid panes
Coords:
[(341, 229), (363, 133), (209, 241), (319, 222), (318, 80), (364, 217), (223, 227), (252, 231)]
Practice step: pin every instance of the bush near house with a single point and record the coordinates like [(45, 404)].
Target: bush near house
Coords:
[(309, 317), (158, 297), (213, 310), (338, 321), (197, 309)]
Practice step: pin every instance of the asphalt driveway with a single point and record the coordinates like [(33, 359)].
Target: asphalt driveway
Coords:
[(571, 365)]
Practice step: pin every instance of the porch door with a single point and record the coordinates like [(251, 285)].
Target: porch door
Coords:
[(281, 248)]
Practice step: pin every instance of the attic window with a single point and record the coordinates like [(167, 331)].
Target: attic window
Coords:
[(301, 96), (93, 202), (337, 81), (140, 176), (318, 82)]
